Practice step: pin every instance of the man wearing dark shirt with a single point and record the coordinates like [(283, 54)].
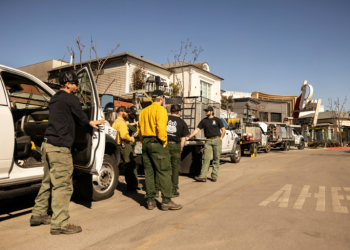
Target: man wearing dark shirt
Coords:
[(65, 110), (214, 131), (177, 131)]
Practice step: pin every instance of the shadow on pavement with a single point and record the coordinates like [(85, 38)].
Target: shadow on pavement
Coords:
[(135, 195), (16, 206)]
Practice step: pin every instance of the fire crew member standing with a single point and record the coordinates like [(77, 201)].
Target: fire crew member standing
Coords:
[(64, 109), (123, 141), (212, 126), (177, 131), (155, 154)]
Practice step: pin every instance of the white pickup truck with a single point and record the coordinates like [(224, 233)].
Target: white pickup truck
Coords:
[(24, 117)]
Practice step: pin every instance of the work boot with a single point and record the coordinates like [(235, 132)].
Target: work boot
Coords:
[(67, 229), (151, 205), (38, 220), (200, 178), (214, 179), (176, 194), (171, 206)]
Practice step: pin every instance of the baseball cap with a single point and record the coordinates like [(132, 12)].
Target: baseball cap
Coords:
[(68, 76), (157, 93), (209, 108), (122, 109), (133, 108)]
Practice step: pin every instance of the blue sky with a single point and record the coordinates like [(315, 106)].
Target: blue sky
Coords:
[(255, 45)]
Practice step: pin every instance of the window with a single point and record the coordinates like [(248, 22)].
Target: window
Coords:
[(263, 116), (276, 117), (24, 94), (225, 123), (84, 92), (205, 90)]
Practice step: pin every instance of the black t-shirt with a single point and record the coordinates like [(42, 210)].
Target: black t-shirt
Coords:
[(65, 111), (132, 119), (176, 129), (211, 126)]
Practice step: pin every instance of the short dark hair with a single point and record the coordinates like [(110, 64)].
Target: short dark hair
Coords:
[(175, 108), (68, 76)]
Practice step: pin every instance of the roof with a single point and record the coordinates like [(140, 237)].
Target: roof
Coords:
[(115, 57), (328, 115), (180, 64)]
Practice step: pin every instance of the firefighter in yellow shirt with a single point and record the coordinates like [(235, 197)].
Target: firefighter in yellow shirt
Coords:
[(124, 141), (155, 154)]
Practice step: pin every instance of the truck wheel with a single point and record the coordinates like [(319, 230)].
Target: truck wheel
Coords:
[(267, 148), (301, 145), (96, 188), (285, 146), (236, 157)]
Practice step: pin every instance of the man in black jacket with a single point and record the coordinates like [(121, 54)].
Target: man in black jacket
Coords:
[(65, 110)]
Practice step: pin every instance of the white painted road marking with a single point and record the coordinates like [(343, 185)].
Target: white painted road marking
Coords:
[(337, 207), (321, 199), (282, 196), (302, 196), (283, 200)]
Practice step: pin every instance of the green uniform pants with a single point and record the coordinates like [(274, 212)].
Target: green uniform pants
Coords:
[(56, 183), (211, 146), (130, 166), (156, 162), (175, 159)]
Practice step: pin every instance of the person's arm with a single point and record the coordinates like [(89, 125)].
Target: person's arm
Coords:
[(222, 127), (124, 133), (162, 121), (223, 130), (81, 117), (139, 132), (182, 143), (196, 131)]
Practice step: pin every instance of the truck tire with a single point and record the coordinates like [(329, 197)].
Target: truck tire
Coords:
[(267, 149), (237, 153), (101, 187), (301, 145), (285, 146)]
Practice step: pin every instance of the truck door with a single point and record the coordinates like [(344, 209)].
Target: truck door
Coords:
[(296, 137), (89, 144), (7, 133), (226, 139)]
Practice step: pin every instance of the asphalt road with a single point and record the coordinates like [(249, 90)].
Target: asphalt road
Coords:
[(281, 200)]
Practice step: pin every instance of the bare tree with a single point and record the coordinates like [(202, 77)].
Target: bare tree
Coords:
[(227, 104), (81, 48), (180, 61), (138, 77), (339, 114), (100, 61)]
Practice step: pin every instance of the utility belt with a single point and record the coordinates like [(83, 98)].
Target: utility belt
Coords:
[(173, 142), (214, 137), (153, 139), (123, 143)]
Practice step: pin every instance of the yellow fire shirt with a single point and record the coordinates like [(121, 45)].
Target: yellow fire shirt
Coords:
[(153, 121), (123, 132)]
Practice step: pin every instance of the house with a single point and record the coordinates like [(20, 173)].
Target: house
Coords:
[(124, 74)]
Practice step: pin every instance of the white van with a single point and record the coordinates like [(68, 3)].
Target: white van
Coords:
[(24, 118)]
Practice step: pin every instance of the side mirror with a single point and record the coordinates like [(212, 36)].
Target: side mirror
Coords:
[(107, 103)]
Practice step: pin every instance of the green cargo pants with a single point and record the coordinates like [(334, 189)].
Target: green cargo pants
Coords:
[(130, 166), (175, 159), (56, 183), (211, 147), (156, 162)]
